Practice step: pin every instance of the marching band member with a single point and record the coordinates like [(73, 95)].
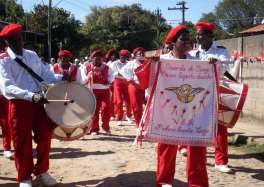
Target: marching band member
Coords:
[(136, 94), (64, 66), (208, 50), (110, 57), (166, 154), (26, 101), (121, 87), (99, 76)]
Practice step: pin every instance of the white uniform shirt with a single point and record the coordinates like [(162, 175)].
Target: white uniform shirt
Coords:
[(214, 51), (16, 82), (128, 70), (116, 70)]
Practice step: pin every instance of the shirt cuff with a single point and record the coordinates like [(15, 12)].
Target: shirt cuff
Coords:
[(29, 96)]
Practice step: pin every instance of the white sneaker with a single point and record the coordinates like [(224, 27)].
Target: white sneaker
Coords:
[(94, 133), (45, 179), (112, 119), (8, 154), (26, 183), (166, 185), (183, 152), (107, 132), (129, 120), (119, 123), (223, 168)]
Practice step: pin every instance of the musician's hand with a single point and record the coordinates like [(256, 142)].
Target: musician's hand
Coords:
[(212, 60), (66, 77), (39, 98)]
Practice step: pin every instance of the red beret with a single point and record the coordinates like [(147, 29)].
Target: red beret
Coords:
[(96, 53), (10, 30), (138, 49), (109, 53), (173, 33), (124, 52), (65, 53), (205, 25)]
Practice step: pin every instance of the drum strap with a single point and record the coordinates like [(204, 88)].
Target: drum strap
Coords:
[(29, 70)]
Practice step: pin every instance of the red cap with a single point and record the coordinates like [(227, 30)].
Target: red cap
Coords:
[(96, 53), (124, 52), (109, 53), (173, 33), (10, 30), (138, 49), (65, 53), (205, 25)]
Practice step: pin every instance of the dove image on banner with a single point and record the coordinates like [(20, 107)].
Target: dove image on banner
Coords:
[(182, 107)]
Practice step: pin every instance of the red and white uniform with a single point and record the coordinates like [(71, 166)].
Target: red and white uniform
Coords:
[(25, 116), (196, 161), (75, 72), (99, 77), (136, 94), (222, 54), (120, 90)]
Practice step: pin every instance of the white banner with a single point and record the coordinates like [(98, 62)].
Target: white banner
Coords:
[(182, 108)]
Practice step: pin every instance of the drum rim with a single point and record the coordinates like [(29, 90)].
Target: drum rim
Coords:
[(77, 125)]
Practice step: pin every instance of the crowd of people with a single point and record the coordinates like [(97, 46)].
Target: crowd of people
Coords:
[(112, 78)]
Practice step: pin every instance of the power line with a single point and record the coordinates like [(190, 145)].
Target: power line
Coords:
[(76, 5)]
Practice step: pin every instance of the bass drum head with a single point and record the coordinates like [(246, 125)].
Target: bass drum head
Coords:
[(73, 115)]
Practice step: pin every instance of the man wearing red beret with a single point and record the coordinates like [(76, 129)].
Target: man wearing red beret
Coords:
[(121, 87), (67, 68), (136, 94), (208, 50), (98, 78), (26, 101)]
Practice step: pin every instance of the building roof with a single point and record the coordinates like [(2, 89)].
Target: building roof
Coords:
[(258, 28)]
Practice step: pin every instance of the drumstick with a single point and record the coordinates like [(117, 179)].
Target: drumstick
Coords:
[(60, 100)]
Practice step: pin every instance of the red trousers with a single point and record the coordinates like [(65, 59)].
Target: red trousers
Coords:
[(136, 98), (103, 106), (26, 117), (221, 146), (111, 107), (121, 94), (195, 166), (6, 135)]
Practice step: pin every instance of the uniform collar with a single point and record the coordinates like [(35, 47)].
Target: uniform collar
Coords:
[(12, 54), (213, 46)]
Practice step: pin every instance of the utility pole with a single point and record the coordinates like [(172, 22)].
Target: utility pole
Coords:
[(49, 28), (182, 8)]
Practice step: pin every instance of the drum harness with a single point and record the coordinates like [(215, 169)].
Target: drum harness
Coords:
[(43, 86)]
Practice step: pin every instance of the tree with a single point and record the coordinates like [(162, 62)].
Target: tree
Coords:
[(123, 27), (10, 11), (64, 28), (237, 15)]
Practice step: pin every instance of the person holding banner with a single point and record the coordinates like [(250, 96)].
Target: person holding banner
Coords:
[(166, 153), (27, 114), (99, 77), (208, 50)]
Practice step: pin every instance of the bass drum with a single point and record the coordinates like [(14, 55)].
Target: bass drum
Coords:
[(232, 99), (71, 107)]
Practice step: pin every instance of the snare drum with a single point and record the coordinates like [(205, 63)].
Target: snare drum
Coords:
[(71, 107), (232, 99)]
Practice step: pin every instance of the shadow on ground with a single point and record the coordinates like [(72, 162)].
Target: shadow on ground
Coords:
[(135, 179)]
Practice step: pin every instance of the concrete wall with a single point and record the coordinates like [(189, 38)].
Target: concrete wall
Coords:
[(250, 45), (253, 75)]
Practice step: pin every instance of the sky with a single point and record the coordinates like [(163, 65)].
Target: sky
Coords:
[(81, 8)]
